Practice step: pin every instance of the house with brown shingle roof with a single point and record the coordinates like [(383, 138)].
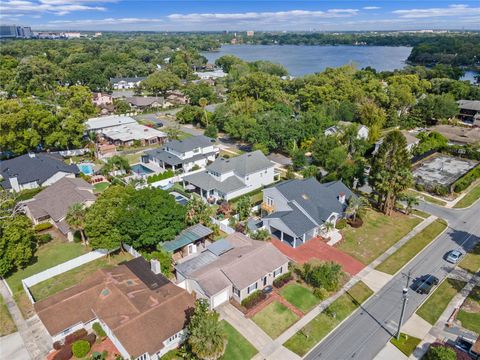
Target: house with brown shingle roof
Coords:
[(141, 311), (233, 267), (52, 204)]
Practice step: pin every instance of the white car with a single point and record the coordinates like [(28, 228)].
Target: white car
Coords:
[(454, 256)]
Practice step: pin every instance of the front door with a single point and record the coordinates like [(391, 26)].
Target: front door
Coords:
[(192, 249), (264, 281)]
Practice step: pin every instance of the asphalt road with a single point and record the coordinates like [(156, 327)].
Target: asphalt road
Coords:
[(366, 332)]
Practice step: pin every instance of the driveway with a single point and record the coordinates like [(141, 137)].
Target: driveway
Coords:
[(13, 348), (317, 249)]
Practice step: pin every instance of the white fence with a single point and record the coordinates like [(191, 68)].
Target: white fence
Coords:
[(60, 269), (131, 251), (223, 225)]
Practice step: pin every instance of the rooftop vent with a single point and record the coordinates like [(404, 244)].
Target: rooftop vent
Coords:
[(341, 198), (305, 197)]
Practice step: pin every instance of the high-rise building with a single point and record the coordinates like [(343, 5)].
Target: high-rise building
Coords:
[(15, 32)]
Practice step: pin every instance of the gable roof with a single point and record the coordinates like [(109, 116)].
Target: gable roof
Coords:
[(242, 165), (142, 309), (242, 263), (469, 104), (190, 143), (207, 182), (55, 200), (33, 167), (187, 236), (310, 200), (108, 121), (144, 100)]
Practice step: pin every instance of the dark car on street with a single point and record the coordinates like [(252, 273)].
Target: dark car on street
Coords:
[(424, 284)]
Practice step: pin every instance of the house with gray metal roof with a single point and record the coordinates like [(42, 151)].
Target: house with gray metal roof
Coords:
[(189, 242), (126, 82), (296, 211), (193, 151), (30, 171), (228, 178), (469, 112), (233, 267)]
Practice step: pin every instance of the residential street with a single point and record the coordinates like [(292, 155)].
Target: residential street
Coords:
[(367, 331)]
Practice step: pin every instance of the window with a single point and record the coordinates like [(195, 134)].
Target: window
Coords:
[(269, 201), (197, 150), (252, 288), (236, 291), (277, 272)]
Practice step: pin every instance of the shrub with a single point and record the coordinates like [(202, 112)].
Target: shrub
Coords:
[(320, 293), (57, 345), (44, 238), (80, 348), (420, 187), (439, 352), (77, 335), (325, 275), (99, 330), (341, 224), (64, 354), (282, 280), (253, 299), (195, 167), (165, 175), (90, 338), (42, 226), (466, 180)]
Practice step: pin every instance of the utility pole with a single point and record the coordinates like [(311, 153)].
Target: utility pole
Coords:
[(404, 304)]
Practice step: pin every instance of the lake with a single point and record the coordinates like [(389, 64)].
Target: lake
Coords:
[(302, 59)]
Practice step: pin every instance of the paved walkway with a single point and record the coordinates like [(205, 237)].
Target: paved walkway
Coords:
[(34, 335), (12, 348), (317, 249)]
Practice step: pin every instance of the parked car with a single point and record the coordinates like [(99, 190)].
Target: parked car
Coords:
[(453, 256), (424, 284), (463, 344)]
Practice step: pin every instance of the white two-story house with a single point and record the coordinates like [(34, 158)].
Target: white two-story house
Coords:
[(126, 82), (230, 178), (296, 211), (194, 151)]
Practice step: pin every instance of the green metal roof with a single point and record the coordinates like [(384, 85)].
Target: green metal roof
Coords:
[(187, 236)]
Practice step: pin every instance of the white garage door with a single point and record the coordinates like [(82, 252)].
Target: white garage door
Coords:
[(220, 298)]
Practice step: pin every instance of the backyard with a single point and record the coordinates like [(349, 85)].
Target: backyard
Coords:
[(471, 261), (238, 348), (53, 253), (370, 240), (432, 309), (63, 281), (299, 296), (274, 319), (469, 314), (470, 198), (412, 247), (6, 323), (100, 187), (322, 324)]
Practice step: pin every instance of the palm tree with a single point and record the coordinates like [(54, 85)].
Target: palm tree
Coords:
[(203, 103), (76, 219), (357, 206), (411, 201), (329, 226)]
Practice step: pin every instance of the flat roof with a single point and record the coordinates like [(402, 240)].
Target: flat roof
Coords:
[(132, 132)]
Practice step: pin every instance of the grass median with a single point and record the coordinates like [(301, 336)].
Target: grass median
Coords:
[(412, 247), (470, 198), (432, 309), (427, 198), (325, 322), (7, 326)]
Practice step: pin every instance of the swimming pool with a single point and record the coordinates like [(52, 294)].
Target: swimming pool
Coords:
[(141, 170), (86, 168)]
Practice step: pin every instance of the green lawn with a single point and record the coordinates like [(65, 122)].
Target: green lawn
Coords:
[(378, 233), (406, 344), (275, 319), (427, 198), (7, 326), (420, 213), (471, 261), (412, 247), (63, 281), (238, 348), (299, 296), (469, 313), (324, 323), (100, 187), (53, 253), (471, 197), (439, 299)]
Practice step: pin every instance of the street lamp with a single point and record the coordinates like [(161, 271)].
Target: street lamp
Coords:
[(405, 299)]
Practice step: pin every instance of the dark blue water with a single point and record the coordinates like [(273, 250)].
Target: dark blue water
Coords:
[(301, 59)]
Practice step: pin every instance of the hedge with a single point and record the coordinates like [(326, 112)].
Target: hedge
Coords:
[(166, 175), (466, 180), (282, 279), (80, 348), (99, 330), (44, 238), (42, 226), (77, 335), (253, 299), (64, 354)]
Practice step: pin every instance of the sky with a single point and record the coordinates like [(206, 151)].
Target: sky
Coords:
[(241, 15)]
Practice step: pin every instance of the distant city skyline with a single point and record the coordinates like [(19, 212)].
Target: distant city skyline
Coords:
[(158, 15)]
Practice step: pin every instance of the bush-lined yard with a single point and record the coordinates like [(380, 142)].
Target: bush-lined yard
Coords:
[(412, 247), (322, 324), (378, 233), (274, 319), (7, 326), (238, 348), (299, 296), (63, 281), (432, 309)]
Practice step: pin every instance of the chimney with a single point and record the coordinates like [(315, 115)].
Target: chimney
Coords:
[(155, 266), (341, 198)]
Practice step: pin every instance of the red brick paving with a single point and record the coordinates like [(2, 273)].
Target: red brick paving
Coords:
[(317, 249), (108, 345)]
